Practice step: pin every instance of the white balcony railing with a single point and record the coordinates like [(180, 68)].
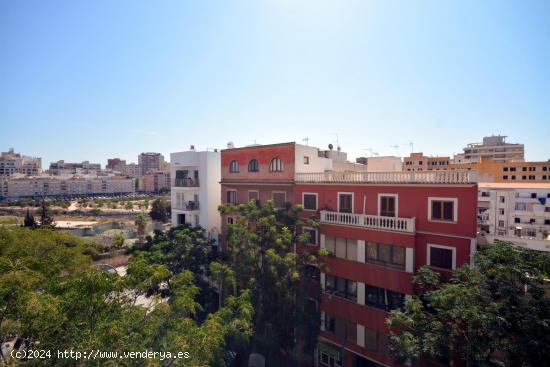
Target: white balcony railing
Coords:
[(369, 221), (423, 177)]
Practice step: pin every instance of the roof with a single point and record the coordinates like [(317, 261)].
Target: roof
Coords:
[(260, 146), (513, 185)]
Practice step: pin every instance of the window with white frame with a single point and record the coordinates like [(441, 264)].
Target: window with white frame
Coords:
[(309, 200), (231, 197), (443, 257), (442, 209), (345, 202), (387, 205), (276, 165), (234, 166), (253, 166), (343, 248)]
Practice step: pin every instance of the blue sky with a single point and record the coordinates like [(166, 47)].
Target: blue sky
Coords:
[(88, 80)]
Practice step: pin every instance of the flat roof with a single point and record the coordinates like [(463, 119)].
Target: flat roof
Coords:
[(260, 146), (513, 185)]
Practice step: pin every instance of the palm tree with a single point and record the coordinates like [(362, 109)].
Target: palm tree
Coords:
[(141, 223)]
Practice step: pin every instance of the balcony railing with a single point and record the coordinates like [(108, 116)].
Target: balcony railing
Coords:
[(424, 177), (369, 221), (186, 182), (192, 205)]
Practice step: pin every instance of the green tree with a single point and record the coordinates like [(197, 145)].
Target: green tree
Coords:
[(261, 253), (29, 221), (160, 210), (50, 294), (118, 240), (141, 223), (495, 313), (46, 218)]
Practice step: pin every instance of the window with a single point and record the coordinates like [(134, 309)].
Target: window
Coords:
[(341, 287), (441, 257), (328, 360), (234, 166), (512, 169), (517, 220), (505, 169), (531, 169), (306, 160), (505, 177), (279, 199), (501, 223), (345, 202), (547, 222), (343, 248), (309, 201), (383, 299), (276, 165), (521, 206), (230, 220), (312, 235), (231, 197), (501, 211), (387, 205), (386, 255), (524, 168), (253, 194), (343, 329), (253, 166), (531, 177), (442, 209)]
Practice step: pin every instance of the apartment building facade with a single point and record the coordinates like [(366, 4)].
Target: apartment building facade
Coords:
[(116, 164), (380, 228), (65, 186), (518, 213), (156, 181), (150, 161), (488, 169), (14, 163), (266, 172), (195, 189), (62, 168), (495, 147)]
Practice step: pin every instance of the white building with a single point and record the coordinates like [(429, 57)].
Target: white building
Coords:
[(195, 189), (12, 163), (384, 164), (515, 212), (63, 186)]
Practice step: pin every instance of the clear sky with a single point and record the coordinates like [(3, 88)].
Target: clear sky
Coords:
[(88, 80)]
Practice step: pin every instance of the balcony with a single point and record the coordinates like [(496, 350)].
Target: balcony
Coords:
[(406, 225), (412, 177), (192, 205), (186, 182)]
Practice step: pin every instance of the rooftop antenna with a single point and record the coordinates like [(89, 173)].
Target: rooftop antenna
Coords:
[(372, 152), (396, 147), (337, 142), (306, 140), (412, 146)]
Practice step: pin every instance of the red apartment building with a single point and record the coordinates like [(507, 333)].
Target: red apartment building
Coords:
[(381, 227), (266, 172)]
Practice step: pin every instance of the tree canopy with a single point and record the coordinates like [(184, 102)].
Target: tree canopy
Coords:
[(495, 313), (52, 295), (160, 210), (262, 257)]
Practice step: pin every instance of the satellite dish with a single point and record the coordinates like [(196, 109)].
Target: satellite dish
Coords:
[(230, 145), (330, 146)]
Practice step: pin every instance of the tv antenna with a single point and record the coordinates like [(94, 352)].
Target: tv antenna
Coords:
[(306, 140), (338, 148), (412, 146), (396, 147), (372, 152)]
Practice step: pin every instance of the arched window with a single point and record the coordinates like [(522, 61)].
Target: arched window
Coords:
[(276, 165), (234, 167), (253, 166)]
